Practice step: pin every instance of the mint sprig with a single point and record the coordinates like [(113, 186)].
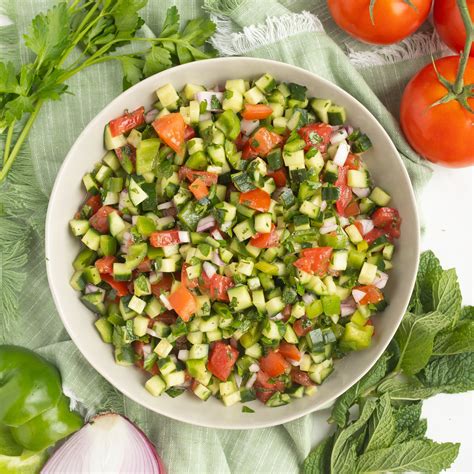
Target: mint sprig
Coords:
[(432, 352)]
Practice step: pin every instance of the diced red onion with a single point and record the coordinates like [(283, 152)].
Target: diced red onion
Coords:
[(367, 225), (342, 153), (254, 367), (349, 129), (233, 343), (361, 192), (147, 350), (93, 289), (216, 259), (206, 223), (107, 443), (165, 205), (150, 332), (248, 126), (277, 317), (134, 220), (166, 302), (127, 241), (348, 306), (183, 354), (323, 207), (205, 117), (338, 137), (216, 234), (381, 280), (209, 269), (251, 381), (294, 363), (207, 96), (127, 218), (184, 236), (150, 116), (358, 295), (123, 198), (328, 228), (344, 221), (226, 226), (308, 298)]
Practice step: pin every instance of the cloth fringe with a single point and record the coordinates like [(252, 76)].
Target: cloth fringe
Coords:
[(418, 45), (229, 43)]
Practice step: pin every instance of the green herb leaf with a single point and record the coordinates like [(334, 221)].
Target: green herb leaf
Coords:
[(447, 295), (318, 459), (157, 60), (458, 340), (246, 409), (406, 416), (407, 389), (198, 31), (381, 429), (171, 23), (126, 18), (132, 70), (467, 313), (419, 456), (8, 81)]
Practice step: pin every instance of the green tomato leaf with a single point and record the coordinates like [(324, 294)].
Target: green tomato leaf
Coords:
[(157, 60), (415, 338), (418, 455), (8, 81), (447, 297), (381, 430), (341, 408), (318, 459), (456, 341)]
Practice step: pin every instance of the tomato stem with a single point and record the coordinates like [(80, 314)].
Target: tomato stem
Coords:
[(464, 57)]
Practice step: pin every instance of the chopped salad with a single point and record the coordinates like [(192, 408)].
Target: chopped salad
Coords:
[(233, 241)]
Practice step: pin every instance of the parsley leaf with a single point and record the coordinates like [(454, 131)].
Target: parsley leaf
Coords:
[(157, 60), (132, 70), (8, 81), (171, 23)]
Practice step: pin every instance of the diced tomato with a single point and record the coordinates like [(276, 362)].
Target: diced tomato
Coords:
[(168, 317), (302, 326), (287, 312), (261, 143), (185, 280), (374, 234), (163, 285), (289, 351), (183, 302), (314, 260), (145, 265), (360, 227), (240, 141), (256, 199), (279, 176), (274, 364), (217, 286), (352, 209), (191, 175), (189, 132), (163, 238), (171, 129), (341, 176), (199, 189), (94, 202), (264, 389), (345, 197), (100, 220), (120, 287), (389, 220), (372, 294), (352, 162), (300, 377), (266, 240), (105, 264), (126, 122), (222, 359), (316, 135), (256, 112)]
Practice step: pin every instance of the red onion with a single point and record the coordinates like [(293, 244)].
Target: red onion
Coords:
[(348, 306), (254, 368), (108, 443), (127, 218), (233, 343), (349, 129), (206, 223), (251, 381), (183, 354), (294, 363), (204, 117), (308, 298), (209, 269), (342, 153), (134, 220), (151, 332), (248, 126), (166, 302), (207, 96), (323, 207), (216, 234), (325, 229), (381, 280), (165, 205), (277, 317), (147, 350), (367, 225), (343, 221), (358, 295), (361, 192), (92, 289), (216, 259), (184, 236), (150, 116), (122, 199), (338, 137)]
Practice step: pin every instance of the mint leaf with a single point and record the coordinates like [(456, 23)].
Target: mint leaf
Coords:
[(429, 270), (408, 389), (418, 455), (450, 374), (49, 34), (381, 429), (460, 339), (318, 459), (157, 60), (132, 70), (341, 408), (406, 416), (8, 81), (415, 338), (447, 297), (171, 23), (467, 313)]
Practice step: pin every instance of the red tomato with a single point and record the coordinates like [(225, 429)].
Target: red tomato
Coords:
[(372, 294), (163, 285), (300, 377), (185, 280), (170, 128), (94, 202), (189, 132), (256, 112), (240, 141), (261, 143), (359, 226), (199, 189), (352, 209), (264, 389), (221, 360), (183, 302), (279, 176), (105, 264), (145, 265), (388, 219), (316, 135), (443, 134), (100, 220), (120, 287), (127, 122), (274, 364), (163, 238), (352, 162), (345, 197), (393, 19), (449, 24), (302, 326), (217, 286), (191, 175), (287, 312), (256, 199), (315, 260), (374, 234), (289, 351), (265, 240)]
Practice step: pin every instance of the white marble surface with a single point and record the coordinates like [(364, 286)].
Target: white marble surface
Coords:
[(447, 208)]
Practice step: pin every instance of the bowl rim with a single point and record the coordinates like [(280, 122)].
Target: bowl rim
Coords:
[(49, 227)]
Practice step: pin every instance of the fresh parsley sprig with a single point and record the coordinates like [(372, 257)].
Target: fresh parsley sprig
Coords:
[(95, 28), (432, 352)]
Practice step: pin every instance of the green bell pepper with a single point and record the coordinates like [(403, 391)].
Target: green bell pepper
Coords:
[(229, 124)]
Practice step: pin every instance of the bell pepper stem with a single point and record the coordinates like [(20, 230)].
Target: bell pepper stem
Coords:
[(464, 58)]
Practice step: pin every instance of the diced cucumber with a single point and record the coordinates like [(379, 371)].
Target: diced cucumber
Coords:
[(237, 85), (263, 222), (155, 385), (336, 115), (91, 239), (79, 227), (136, 193), (379, 197), (254, 96), (239, 298), (233, 100), (168, 96), (321, 107), (112, 143), (357, 179), (367, 274), (174, 378)]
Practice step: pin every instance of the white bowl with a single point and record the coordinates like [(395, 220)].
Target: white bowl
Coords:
[(61, 248)]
